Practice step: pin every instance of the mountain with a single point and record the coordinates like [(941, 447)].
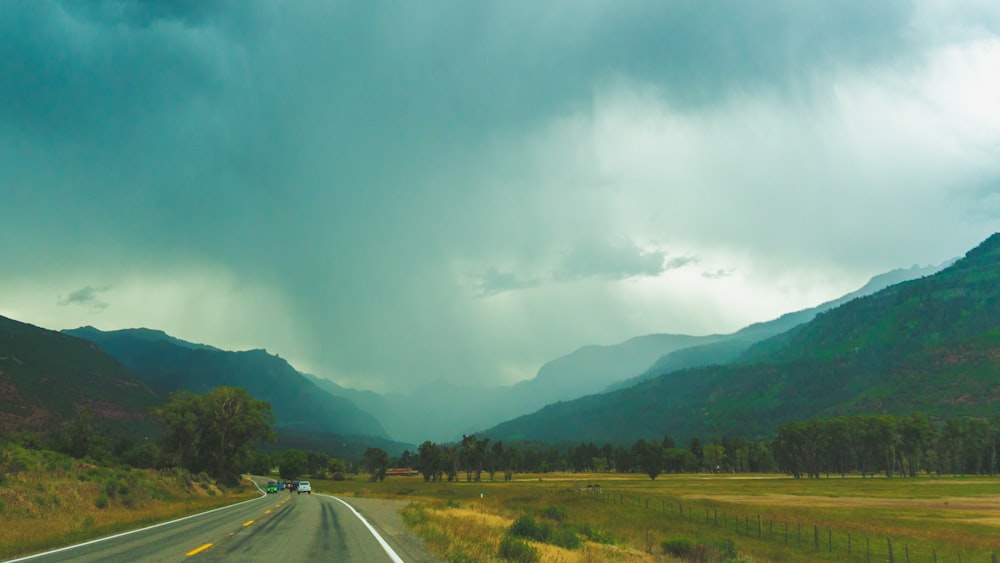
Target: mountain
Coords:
[(100, 337), (728, 348), (930, 344), (47, 377), (168, 364), (443, 411)]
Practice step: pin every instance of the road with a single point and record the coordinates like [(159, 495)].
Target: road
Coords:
[(273, 528)]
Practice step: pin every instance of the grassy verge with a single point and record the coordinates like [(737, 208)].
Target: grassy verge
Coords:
[(699, 517), (52, 500)]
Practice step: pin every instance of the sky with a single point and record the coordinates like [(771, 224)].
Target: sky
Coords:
[(391, 194)]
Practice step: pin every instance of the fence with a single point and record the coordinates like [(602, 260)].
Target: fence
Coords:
[(846, 545)]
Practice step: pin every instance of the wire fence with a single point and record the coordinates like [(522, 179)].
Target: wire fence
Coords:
[(838, 544)]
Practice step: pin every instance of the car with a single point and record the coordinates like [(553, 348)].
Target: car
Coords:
[(272, 487), (304, 487)]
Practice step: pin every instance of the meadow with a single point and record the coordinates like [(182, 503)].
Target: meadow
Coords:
[(698, 517), (49, 500)]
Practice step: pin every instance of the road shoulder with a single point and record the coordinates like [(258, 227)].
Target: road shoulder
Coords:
[(383, 515)]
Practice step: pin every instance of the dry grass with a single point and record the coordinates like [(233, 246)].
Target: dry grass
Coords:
[(53, 500), (949, 518)]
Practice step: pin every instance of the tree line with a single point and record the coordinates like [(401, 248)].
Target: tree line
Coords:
[(216, 433), (889, 445)]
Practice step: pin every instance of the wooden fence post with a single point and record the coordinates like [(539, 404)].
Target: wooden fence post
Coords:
[(848, 543), (891, 558), (758, 526)]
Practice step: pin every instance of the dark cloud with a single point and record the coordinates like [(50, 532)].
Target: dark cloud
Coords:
[(357, 160), (88, 297), (680, 262), (494, 282), (614, 260)]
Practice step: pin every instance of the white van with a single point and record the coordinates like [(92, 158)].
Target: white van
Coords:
[(304, 487)]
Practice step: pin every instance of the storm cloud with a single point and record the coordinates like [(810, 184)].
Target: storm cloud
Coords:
[(388, 194)]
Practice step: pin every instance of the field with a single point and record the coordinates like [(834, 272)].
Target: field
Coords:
[(702, 517), (50, 500)]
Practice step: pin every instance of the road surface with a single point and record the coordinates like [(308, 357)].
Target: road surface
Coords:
[(274, 528)]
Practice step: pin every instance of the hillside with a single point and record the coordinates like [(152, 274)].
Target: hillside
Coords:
[(168, 365), (927, 344), (729, 348), (47, 377)]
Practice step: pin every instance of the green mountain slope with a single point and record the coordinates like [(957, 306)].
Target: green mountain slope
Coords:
[(298, 404), (927, 344), (732, 346), (47, 377)]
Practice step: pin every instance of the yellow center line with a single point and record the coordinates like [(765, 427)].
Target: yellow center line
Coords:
[(268, 511), (247, 523), (198, 550)]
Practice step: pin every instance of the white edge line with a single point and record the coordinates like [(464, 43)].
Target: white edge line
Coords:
[(392, 554), (98, 540)]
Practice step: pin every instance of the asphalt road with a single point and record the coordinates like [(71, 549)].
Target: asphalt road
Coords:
[(274, 528)]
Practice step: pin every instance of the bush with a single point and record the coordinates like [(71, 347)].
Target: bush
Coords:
[(566, 538), (725, 546), (102, 501), (678, 547), (557, 513), (596, 535), (338, 476), (513, 549), (526, 527), (414, 515)]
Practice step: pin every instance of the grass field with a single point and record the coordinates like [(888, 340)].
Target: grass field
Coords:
[(764, 517), (53, 500)]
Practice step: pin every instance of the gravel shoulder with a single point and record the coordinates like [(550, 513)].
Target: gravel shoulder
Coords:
[(383, 515)]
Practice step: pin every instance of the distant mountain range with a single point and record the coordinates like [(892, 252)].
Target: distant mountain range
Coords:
[(728, 348), (167, 364), (314, 410), (930, 344), (442, 411)]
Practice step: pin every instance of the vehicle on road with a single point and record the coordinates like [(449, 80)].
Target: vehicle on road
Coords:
[(272, 487), (305, 487)]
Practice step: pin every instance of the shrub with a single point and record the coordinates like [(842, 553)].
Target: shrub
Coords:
[(526, 527), (557, 513), (566, 537), (725, 546), (102, 501), (452, 503), (338, 476), (596, 535), (414, 515), (678, 547), (513, 549)]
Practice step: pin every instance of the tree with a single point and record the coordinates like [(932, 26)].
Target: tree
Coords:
[(429, 461), (80, 434), (650, 455), (376, 463), (713, 455), (213, 432), (292, 464)]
